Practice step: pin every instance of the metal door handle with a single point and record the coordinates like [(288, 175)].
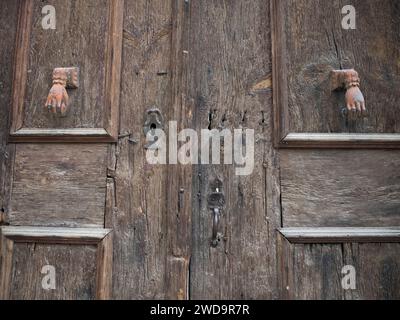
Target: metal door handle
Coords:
[(215, 229)]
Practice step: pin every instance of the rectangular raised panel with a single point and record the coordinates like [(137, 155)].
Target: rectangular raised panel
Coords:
[(88, 36), (82, 261), (337, 188), (307, 113), (311, 263), (59, 185), (75, 271)]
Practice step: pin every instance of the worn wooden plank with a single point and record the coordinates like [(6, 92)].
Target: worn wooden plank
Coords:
[(229, 83), (316, 271), (59, 185), (25, 9), (338, 188), (179, 180), (95, 135), (377, 266), (284, 266), (55, 235), (8, 27), (140, 206), (104, 268), (340, 235), (75, 271), (6, 251), (341, 140), (113, 66), (279, 72)]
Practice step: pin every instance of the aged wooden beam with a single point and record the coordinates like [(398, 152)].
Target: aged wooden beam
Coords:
[(341, 235)]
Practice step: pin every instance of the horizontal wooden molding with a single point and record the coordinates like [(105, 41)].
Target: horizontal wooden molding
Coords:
[(341, 235), (54, 235), (61, 135), (350, 140)]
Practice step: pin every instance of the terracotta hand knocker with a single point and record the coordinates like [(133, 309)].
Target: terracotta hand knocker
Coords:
[(350, 81), (57, 100)]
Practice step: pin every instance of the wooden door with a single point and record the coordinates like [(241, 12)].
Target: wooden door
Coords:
[(339, 169), (80, 201), (54, 241)]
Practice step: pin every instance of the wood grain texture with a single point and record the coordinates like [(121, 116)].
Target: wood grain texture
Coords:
[(82, 259), (75, 268), (371, 49), (341, 140), (24, 26), (304, 102), (61, 135), (59, 185), (55, 235), (6, 250), (313, 271), (95, 103), (113, 67), (340, 188), (341, 235), (48, 48), (137, 201), (104, 267), (229, 85), (8, 27), (179, 179)]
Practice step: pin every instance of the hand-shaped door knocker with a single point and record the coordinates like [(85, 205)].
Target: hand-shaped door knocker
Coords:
[(350, 81), (57, 100)]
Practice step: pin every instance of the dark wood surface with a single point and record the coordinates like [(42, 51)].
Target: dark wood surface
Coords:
[(314, 271), (340, 188), (137, 201), (230, 87), (49, 48), (307, 47), (205, 64), (96, 53), (80, 258), (316, 44), (59, 185)]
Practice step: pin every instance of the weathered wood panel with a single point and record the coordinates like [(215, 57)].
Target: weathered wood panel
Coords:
[(316, 44), (137, 202), (59, 185), (339, 188), (8, 21), (315, 271), (50, 48), (75, 268), (230, 87), (179, 179)]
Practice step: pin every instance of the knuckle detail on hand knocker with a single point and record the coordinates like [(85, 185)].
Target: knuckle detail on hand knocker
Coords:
[(350, 81), (58, 99)]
